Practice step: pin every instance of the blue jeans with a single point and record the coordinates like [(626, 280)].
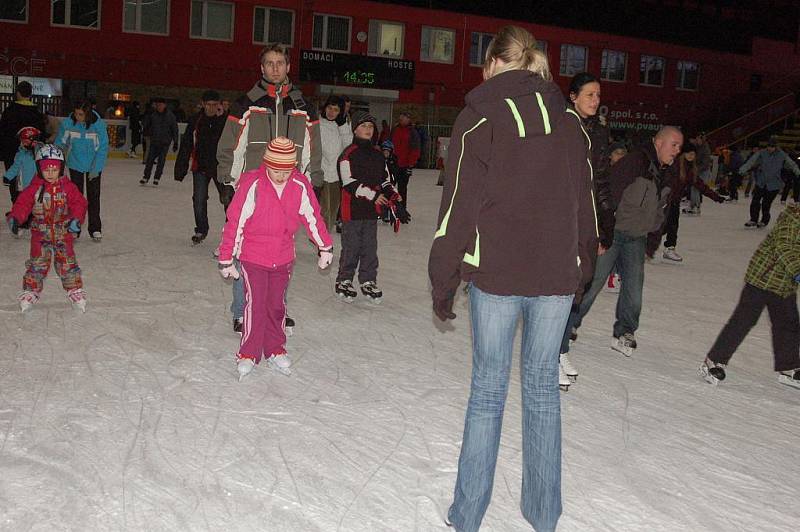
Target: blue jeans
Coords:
[(627, 253), (494, 325)]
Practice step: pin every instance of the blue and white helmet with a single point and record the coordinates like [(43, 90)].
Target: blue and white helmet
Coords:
[(49, 151)]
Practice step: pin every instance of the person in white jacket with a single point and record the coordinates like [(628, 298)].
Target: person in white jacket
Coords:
[(334, 139)]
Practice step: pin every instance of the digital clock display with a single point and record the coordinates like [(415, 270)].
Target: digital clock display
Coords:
[(358, 70)]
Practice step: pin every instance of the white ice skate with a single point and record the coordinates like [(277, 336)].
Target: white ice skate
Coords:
[(244, 366), (568, 368), (712, 372), (564, 381), (671, 256), (625, 344), (790, 378), (97, 236), (77, 297), (281, 363), (27, 299), (288, 326)]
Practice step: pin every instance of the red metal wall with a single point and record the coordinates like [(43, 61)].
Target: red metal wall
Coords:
[(110, 55)]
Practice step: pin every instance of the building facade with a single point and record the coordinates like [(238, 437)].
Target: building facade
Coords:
[(386, 57)]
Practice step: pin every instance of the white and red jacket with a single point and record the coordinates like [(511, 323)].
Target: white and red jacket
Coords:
[(261, 224)]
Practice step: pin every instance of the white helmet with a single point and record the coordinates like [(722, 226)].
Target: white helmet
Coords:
[(49, 151)]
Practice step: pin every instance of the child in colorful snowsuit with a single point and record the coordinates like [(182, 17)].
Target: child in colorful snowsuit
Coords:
[(366, 190), (771, 282), (58, 209), (24, 168), (269, 205)]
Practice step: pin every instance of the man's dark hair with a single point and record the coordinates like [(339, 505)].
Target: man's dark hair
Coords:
[(274, 47), (24, 89)]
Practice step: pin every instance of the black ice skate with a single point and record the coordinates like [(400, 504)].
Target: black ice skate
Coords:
[(625, 344), (790, 378), (712, 372), (198, 238), (237, 325), (371, 290), (288, 326), (143, 181), (345, 290)]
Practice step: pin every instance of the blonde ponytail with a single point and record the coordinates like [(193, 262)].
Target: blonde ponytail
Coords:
[(516, 47)]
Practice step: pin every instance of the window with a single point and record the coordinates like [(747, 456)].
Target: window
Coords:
[(146, 16), (573, 59), (81, 13), (212, 20), (386, 38), (688, 75), (478, 47), (651, 71), (612, 65), (437, 45), (331, 33), (272, 25), (14, 10)]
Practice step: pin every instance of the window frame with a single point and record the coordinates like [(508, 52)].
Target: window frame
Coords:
[(205, 19), (27, 15), (266, 24), (585, 59), (483, 34), (402, 37), (624, 68), (324, 48), (67, 5), (681, 76), (663, 71), (139, 19), (437, 61)]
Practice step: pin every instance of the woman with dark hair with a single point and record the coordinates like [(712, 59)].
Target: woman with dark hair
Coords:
[(84, 135), (517, 224), (584, 100)]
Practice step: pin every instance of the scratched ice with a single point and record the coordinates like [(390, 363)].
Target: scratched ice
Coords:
[(130, 417)]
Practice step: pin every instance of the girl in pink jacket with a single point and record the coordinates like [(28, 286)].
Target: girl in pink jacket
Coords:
[(269, 205)]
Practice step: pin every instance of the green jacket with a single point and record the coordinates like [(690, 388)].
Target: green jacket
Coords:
[(777, 260)]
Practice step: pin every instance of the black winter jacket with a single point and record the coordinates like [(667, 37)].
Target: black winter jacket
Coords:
[(162, 128), (15, 117), (597, 132), (199, 143), (362, 170)]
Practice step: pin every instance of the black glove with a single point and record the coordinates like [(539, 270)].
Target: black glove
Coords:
[(443, 306), (402, 214)]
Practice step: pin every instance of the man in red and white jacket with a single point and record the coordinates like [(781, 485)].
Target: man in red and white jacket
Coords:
[(407, 148)]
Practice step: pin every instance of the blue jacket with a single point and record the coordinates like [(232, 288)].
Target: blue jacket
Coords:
[(88, 148), (769, 169), (23, 169)]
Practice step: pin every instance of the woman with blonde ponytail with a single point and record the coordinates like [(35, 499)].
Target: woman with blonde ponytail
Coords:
[(517, 224)]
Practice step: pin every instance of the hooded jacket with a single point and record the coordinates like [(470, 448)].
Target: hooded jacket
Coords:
[(87, 146), (261, 225), (776, 262), (17, 115), (199, 144), (517, 212), (268, 111), (335, 139)]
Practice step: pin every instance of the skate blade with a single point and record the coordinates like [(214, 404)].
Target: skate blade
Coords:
[(283, 371), (627, 351), (706, 376), (375, 300), (346, 299), (788, 381), (564, 387), (288, 331)]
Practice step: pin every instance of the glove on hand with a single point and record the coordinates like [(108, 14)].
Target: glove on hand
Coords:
[(13, 225), (325, 259), (74, 226), (443, 306), (227, 269)]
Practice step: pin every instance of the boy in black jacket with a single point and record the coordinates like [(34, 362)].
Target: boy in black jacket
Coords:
[(366, 190)]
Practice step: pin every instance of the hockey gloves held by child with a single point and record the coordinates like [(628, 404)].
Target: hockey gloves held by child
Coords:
[(227, 269), (73, 226), (325, 258), (12, 224), (443, 306)]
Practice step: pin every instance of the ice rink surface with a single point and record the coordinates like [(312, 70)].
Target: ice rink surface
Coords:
[(129, 417)]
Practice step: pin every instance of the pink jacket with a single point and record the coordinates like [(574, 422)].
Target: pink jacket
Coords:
[(261, 226)]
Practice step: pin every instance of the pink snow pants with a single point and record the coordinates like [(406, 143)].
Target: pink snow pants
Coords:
[(264, 310)]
